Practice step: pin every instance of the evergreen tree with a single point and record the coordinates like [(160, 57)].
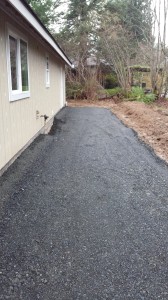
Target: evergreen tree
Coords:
[(46, 10), (138, 18), (80, 25), (78, 38), (135, 16)]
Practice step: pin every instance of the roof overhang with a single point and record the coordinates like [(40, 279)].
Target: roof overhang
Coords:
[(27, 13)]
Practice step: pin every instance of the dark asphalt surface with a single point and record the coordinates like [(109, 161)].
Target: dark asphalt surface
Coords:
[(84, 215)]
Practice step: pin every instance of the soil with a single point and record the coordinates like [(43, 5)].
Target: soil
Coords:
[(149, 121)]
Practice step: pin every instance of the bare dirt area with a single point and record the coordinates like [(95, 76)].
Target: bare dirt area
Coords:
[(149, 121)]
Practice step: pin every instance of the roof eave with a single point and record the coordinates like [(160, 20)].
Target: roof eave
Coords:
[(25, 10)]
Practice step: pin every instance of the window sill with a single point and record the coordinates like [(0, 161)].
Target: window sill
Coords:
[(19, 96)]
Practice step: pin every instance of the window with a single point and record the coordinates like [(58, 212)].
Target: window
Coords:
[(47, 72), (18, 67), (24, 66), (13, 62)]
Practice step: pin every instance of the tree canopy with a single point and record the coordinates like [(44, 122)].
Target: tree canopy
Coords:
[(135, 15), (114, 31), (46, 10)]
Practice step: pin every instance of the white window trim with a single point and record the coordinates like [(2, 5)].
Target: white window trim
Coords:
[(47, 71), (17, 94)]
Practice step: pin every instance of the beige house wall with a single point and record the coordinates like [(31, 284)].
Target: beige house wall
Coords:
[(18, 119)]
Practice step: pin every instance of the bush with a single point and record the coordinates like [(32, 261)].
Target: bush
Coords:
[(137, 94), (85, 90), (149, 98), (74, 90), (110, 81), (114, 92)]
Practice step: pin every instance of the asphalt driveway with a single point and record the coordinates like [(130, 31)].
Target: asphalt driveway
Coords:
[(84, 215)]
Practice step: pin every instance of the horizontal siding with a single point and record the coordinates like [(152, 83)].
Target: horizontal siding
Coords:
[(18, 123)]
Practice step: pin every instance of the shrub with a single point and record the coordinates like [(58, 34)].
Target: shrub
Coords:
[(137, 94), (74, 90), (114, 92), (149, 98), (111, 81)]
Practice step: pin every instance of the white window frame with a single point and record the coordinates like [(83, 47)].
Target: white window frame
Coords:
[(47, 71), (16, 94)]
